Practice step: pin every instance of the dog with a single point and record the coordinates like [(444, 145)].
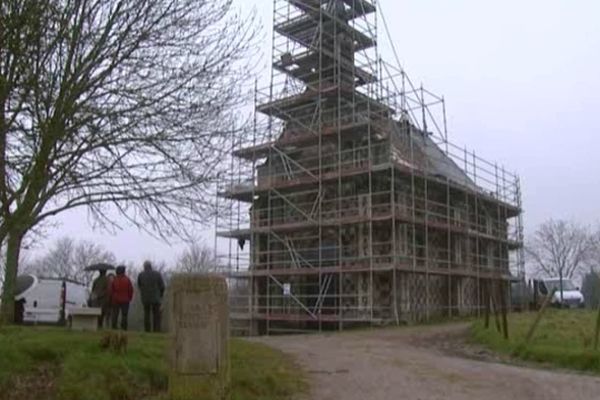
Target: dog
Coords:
[(116, 342)]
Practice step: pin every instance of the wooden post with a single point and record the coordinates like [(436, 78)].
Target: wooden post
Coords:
[(533, 290), (597, 330), (495, 304), (539, 316), (503, 299), (488, 301)]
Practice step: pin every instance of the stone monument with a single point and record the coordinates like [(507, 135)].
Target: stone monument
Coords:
[(199, 350), (84, 318)]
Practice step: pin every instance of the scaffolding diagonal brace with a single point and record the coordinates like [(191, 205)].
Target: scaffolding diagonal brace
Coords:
[(294, 254), (361, 211), (294, 162), (322, 293), (295, 207), (296, 299)]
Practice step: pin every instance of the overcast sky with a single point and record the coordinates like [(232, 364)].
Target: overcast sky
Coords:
[(522, 85)]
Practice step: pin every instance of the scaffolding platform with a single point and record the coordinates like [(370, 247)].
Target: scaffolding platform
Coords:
[(348, 205)]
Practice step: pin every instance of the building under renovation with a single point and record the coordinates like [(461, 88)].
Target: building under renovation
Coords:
[(348, 205)]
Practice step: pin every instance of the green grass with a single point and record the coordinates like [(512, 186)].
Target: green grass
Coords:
[(564, 338), (80, 370)]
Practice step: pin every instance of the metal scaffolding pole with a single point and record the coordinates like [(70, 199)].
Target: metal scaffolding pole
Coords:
[(347, 189)]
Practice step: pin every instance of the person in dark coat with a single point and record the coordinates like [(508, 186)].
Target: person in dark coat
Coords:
[(19, 311), (101, 297), (121, 294), (110, 277), (152, 289)]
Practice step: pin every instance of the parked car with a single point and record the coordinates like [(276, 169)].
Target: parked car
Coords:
[(571, 295), (48, 300), (532, 294)]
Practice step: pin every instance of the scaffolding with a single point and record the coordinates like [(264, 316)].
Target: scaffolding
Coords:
[(348, 205)]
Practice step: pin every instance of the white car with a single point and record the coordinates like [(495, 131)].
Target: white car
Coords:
[(571, 295), (44, 299)]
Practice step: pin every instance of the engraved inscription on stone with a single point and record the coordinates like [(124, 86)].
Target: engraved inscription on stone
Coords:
[(199, 351), (197, 332)]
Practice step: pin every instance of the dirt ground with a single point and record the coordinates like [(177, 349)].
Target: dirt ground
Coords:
[(425, 363)]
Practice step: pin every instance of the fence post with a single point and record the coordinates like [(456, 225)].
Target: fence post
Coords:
[(597, 333), (539, 316)]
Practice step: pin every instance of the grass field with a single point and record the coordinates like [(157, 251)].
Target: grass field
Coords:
[(51, 363), (564, 338)]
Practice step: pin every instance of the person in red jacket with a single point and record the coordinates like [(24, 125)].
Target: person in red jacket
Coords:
[(121, 293)]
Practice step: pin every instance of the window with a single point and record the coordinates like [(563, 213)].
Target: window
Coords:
[(555, 284)]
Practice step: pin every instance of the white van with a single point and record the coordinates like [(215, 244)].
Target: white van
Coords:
[(571, 295), (44, 299)]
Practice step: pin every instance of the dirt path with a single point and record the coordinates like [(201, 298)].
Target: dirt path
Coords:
[(403, 364)]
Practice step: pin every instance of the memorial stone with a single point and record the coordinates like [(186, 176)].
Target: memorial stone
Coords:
[(199, 350)]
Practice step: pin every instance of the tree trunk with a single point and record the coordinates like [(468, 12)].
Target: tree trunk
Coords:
[(13, 249), (560, 276)]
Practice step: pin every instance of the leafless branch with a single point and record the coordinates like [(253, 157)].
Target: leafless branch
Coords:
[(123, 107), (560, 248), (197, 258), (68, 258)]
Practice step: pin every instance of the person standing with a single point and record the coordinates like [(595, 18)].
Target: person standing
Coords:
[(100, 296), (19, 311), (152, 289), (110, 277), (121, 294)]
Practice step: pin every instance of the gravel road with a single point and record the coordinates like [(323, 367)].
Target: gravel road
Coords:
[(422, 363)]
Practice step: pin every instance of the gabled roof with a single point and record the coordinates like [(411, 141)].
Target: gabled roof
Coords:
[(430, 158)]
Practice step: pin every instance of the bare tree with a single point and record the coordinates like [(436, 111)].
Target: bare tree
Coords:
[(68, 259), (560, 249), (56, 262), (116, 106), (197, 258), (595, 252)]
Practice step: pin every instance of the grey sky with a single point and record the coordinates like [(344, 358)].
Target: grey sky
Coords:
[(522, 85)]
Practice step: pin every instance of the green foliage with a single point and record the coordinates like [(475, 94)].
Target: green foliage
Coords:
[(81, 370), (564, 338)]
